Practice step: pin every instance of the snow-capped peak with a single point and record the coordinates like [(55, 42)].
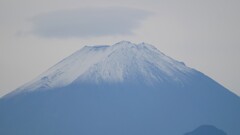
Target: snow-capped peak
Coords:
[(121, 62)]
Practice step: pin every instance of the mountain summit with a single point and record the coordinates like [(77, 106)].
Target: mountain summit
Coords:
[(123, 62), (123, 89)]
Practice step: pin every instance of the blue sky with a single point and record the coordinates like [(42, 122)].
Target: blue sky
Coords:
[(37, 34)]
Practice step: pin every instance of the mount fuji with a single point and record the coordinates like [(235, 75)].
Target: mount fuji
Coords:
[(123, 89)]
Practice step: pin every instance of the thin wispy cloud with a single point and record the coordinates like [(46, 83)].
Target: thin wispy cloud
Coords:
[(88, 22)]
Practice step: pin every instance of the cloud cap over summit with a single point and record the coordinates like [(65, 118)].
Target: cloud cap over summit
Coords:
[(88, 22)]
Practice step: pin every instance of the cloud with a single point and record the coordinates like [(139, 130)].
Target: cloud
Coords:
[(88, 22)]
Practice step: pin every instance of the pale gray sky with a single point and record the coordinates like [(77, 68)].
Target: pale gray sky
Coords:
[(34, 35)]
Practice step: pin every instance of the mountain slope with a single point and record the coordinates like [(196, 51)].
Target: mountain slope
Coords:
[(123, 89)]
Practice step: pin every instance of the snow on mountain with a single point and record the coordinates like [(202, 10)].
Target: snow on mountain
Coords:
[(123, 61)]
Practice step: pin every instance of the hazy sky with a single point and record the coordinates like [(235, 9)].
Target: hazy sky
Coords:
[(36, 34)]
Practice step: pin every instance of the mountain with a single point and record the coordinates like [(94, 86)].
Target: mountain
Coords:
[(123, 89), (206, 130)]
